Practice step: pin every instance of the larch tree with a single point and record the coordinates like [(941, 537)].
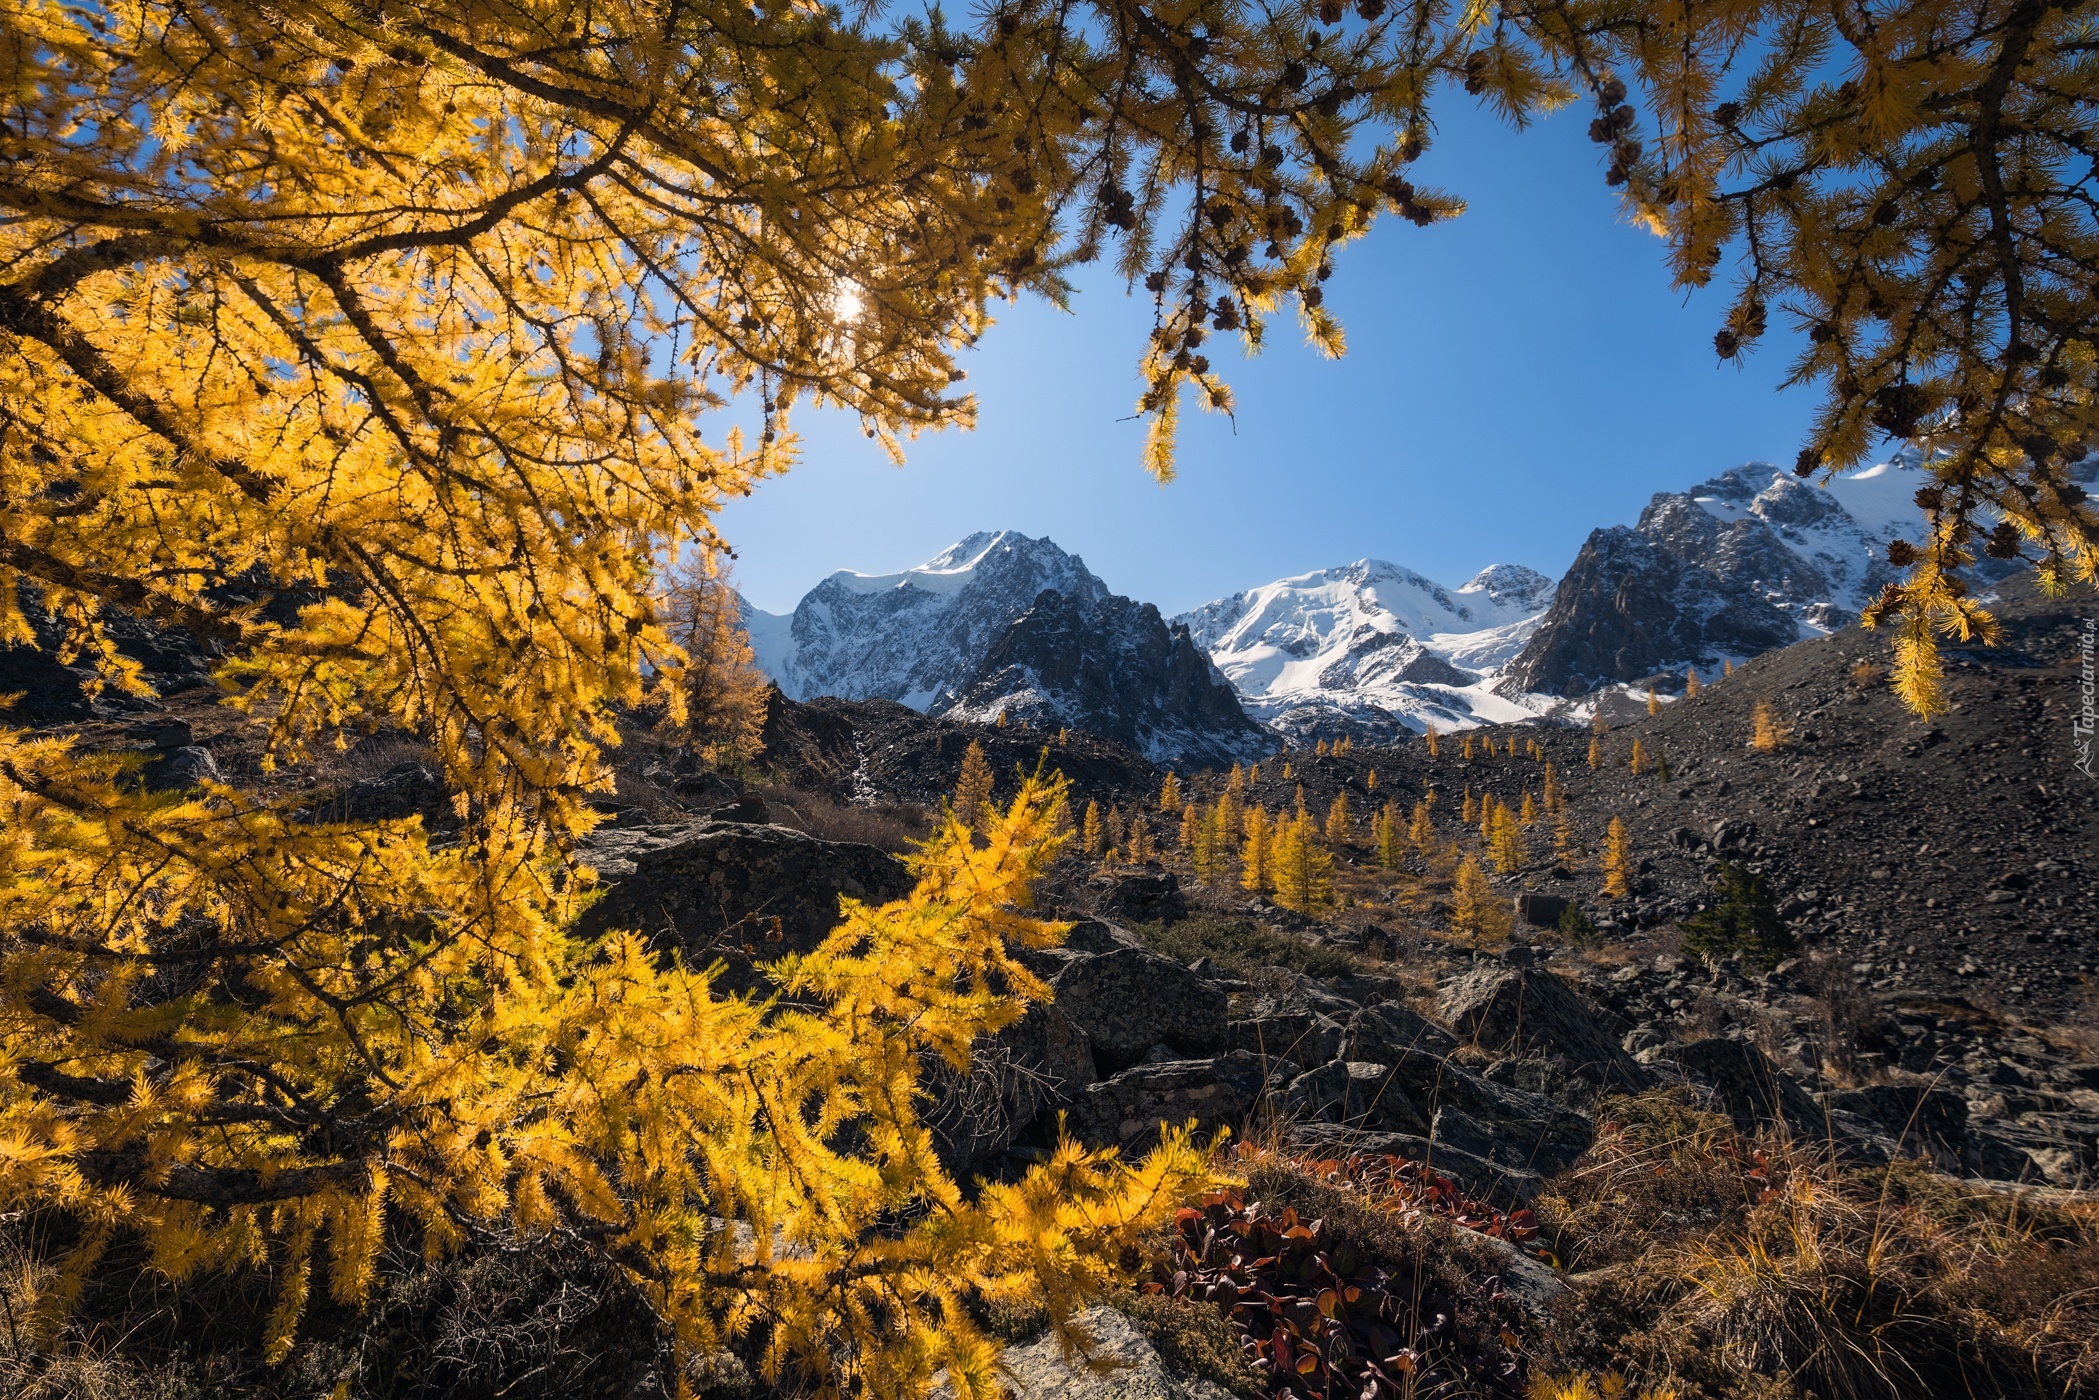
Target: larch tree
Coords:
[(1505, 840), (1093, 835), (1430, 737), (1391, 837), (1421, 828), (1474, 907), (1692, 685), (972, 787), (1301, 867), (1170, 794), (1617, 860), (1340, 822), (1256, 873), (372, 346), (722, 692), (1766, 734)]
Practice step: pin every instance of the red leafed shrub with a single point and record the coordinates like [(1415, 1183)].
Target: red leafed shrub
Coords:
[(1320, 1318), (1410, 1191)]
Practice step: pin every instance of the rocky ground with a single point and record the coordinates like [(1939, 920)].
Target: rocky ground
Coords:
[(1936, 876)]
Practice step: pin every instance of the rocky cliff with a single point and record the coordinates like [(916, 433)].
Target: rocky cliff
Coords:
[(1113, 668)]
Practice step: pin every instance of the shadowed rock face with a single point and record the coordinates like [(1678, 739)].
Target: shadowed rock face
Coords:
[(734, 891), (1629, 608), (1112, 667), (1532, 1012)]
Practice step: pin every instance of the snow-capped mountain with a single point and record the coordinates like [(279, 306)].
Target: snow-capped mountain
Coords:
[(1372, 648), (1752, 559), (1003, 624), (917, 636), (1115, 669)]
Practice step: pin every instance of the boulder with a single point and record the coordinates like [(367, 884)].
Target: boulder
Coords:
[(1099, 936), (1921, 1120), (404, 790), (1131, 999), (1542, 910), (174, 770), (1510, 1126), (1745, 1084), (1354, 1092), (1151, 897), (1127, 1109), (1041, 1063), (1527, 1010), (1117, 1362), (1384, 1032), (739, 893), (1284, 1030)]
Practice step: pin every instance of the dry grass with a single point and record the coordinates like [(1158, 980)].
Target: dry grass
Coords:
[(1730, 1267), (891, 826)]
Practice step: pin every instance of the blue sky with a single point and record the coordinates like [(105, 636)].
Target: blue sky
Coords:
[(1514, 379)]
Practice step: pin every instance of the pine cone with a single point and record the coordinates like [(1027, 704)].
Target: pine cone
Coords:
[(1930, 497), (1897, 408), (1901, 553), (1806, 462), (1727, 113), (1726, 344)]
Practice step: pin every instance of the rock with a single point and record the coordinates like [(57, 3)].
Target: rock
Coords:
[(180, 768), (1628, 608), (739, 893), (1536, 1286), (1111, 666), (1542, 910), (1013, 1077), (1130, 999), (1099, 936), (1743, 1082), (1921, 1120), (1507, 1125), (1127, 1109), (1146, 898), (404, 790), (748, 808), (1357, 1093), (1275, 1030), (1118, 1363), (1384, 1032), (1732, 834), (1533, 1012), (163, 733)]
